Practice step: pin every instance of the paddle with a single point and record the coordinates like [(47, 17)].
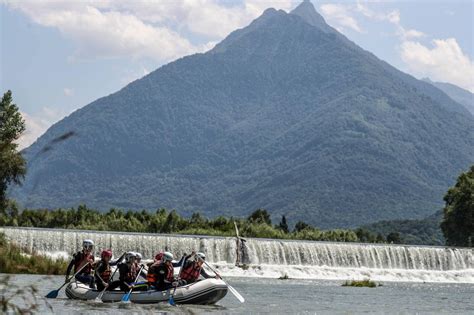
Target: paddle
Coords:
[(126, 297), (234, 291), (54, 294), (171, 299)]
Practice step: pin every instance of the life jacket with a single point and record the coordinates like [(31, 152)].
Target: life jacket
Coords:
[(80, 259), (105, 274), (191, 272), (132, 273), (170, 275), (127, 273), (151, 276)]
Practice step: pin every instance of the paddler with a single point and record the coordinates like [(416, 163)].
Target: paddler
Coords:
[(161, 274), (128, 274), (102, 270), (139, 265), (80, 259), (193, 268)]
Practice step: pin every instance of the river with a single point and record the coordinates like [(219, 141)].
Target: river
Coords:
[(272, 296), (416, 279)]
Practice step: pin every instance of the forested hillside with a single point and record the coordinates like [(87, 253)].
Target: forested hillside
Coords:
[(286, 114)]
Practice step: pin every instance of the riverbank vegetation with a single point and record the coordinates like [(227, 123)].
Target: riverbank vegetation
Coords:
[(458, 220), (14, 259), (258, 224), (367, 283), (424, 231)]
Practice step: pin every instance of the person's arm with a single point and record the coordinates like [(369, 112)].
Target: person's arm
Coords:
[(144, 272), (97, 271), (206, 275), (118, 260), (179, 263), (71, 264), (183, 260)]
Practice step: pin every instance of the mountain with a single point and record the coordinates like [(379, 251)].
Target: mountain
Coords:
[(462, 96), (285, 114)]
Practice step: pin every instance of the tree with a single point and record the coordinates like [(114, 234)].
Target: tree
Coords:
[(380, 238), (171, 223), (12, 164), (300, 226), (394, 238), (260, 216), (283, 224), (458, 221)]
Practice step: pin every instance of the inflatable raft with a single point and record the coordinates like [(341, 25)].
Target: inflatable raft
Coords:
[(207, 291)]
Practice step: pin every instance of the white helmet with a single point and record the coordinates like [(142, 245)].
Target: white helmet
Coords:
[(139, 256), (167, 256), (201, 255), (129, 256), (88, 244)]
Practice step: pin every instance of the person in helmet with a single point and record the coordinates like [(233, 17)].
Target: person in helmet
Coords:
[(161, 273), (138, 265), (83, 258), (128, 273), (159, 257), (193, 268), (102, 270)]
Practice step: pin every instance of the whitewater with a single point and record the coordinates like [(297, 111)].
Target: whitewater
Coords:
[(269, 258)]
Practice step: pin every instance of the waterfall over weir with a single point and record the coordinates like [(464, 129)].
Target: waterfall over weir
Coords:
[(272, 258)]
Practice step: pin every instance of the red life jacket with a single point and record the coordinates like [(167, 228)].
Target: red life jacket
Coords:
[(80, 260), (106, 273), (131, 274), (170, 275), (191, 272), (170, 272)]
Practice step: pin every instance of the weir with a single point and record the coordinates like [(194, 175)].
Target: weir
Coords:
[(303, 259)]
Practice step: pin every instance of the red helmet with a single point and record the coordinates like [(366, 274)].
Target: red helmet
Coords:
[(159, 256), (106, 253)]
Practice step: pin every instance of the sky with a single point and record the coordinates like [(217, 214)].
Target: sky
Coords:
[(58, 56)]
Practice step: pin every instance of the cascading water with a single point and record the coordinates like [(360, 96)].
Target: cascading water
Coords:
[(273, 258)]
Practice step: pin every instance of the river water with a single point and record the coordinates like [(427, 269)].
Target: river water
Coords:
[(273, 296), (416, 279)]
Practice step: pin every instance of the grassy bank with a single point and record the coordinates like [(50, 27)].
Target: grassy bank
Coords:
[(13, 259)]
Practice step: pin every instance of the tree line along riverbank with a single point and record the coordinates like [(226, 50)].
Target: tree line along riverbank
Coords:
[(258, 224)]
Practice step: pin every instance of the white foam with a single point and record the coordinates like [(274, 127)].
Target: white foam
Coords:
[(55, 255), (332, 273)]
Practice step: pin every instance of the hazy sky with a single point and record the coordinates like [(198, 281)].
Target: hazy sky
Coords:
[(57, 56)]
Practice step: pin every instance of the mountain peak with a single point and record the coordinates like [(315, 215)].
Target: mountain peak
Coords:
[(307, 12)]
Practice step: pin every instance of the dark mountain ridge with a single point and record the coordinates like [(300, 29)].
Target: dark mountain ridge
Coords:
[(461, 96), (285, 114)]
